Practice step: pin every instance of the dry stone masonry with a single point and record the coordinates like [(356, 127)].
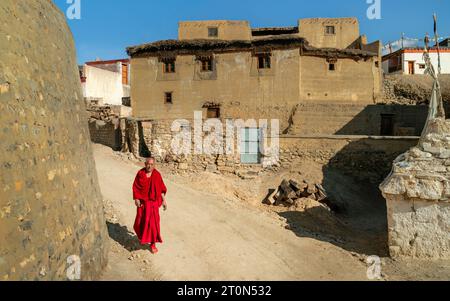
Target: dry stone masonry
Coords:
[(105, 126), (145, 138), (51, 215), (418, 196)]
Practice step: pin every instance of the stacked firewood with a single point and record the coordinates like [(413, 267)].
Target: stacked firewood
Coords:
[(290, 192)]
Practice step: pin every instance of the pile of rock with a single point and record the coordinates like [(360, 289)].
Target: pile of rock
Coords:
[(103, 113), (292, 192), (412, 89)]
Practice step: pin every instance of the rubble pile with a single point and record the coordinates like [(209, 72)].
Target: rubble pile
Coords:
[(412, 89), (103, 113), (299, 195)]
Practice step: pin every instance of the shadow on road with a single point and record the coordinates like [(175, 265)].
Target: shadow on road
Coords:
[(124, 237), (335, 231)]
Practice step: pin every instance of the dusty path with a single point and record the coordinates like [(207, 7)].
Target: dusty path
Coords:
[(210, 238)]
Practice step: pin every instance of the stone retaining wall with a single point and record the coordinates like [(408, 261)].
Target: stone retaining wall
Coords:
[(361, 156), (108, 133)]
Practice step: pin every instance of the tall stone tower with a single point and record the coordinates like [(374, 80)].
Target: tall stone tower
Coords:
[(51, 219)]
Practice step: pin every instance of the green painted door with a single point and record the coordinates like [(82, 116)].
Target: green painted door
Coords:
[(250, 152)]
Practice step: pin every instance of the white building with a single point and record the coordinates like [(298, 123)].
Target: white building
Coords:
[(106, 81), (410, 61)]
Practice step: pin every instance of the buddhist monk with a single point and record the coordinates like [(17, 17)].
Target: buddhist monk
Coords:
[(149, 193)]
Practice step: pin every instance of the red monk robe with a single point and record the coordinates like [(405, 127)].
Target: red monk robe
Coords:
[(149, 191)]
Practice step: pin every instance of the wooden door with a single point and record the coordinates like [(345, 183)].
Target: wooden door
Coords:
[(124, 74), (411, 68), (387, 125)]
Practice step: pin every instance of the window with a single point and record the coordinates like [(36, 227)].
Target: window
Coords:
[(264, 61), (169, 66), (250, 145), (332, 64), (213, 113), (421, 66), (168, 99), (126, 102), (207, 64), (213, 32), (330, 30)]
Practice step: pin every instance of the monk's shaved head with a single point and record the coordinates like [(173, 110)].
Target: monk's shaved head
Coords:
[(150, 164)]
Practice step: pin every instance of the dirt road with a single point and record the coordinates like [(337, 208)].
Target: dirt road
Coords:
[(209, 238)]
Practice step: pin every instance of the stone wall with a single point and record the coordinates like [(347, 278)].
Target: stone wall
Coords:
[(318, 119), (154, 138), (50, 204), (108, 133), (365, 157)]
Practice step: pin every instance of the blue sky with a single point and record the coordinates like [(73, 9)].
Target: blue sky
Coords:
[(107, 27)]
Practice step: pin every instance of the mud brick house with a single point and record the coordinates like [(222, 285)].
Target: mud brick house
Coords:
[(225, 62), (320, 77)]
